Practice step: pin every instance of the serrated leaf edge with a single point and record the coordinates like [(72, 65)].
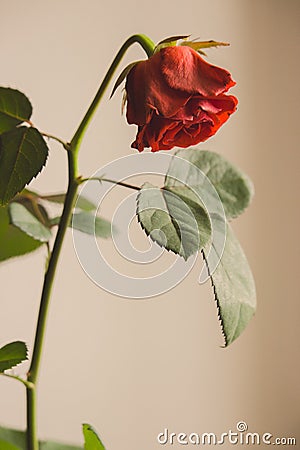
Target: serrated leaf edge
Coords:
[(216, 298), (243, 176), (26, 354), (21, 119)]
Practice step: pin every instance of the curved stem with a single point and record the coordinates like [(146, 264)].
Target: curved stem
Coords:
[(147, 44), (74, 181)]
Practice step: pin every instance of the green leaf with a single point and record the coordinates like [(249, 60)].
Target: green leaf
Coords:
[(28, 223), (197, 46), (233, 187), (122, 76), (12, 354), (177, 224), (234, 288), (15, 108), (32, 204), (90, 224), (91, 439), (14, 437), (23, 153), (82, 202), (7, 446), (18, 439), (13, 242)]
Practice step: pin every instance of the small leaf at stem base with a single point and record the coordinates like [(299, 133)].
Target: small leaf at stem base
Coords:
[(91, 439)]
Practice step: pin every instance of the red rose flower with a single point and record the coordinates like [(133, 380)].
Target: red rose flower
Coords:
[(177, 99)]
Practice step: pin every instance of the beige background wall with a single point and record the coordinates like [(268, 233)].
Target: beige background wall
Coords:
[(128, 367)]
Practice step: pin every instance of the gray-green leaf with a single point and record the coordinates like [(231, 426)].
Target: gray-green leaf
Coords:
[(233, 187), (90, 224), (176, 224), (23, 153), (28, 223), (81, 203), (12, 354), (234, 289), (15, 108), (91, 439), (13, 242)]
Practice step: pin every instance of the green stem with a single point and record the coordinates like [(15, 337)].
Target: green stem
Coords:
[(15, 377), (147, 45), (32, 438), (74, 181), (66, 145), (32, 442), (108, 180)]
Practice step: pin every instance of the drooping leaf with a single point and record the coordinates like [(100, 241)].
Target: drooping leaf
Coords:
[(91, 439), (122, 76), (234, 188), (12, 354), (82, 202), (15, 108), (18, 439), (34, 206), (90, 224), (178, 224), (13, 242), (28, 223), (23, 153), (234, 288)]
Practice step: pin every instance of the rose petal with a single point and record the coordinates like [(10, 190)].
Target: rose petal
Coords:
[(148, 92), (177, 99), (185, 70)]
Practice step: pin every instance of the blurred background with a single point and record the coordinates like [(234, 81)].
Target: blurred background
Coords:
[(132, 368)]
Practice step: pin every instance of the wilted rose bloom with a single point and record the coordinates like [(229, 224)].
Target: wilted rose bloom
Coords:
[(177, 99)]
